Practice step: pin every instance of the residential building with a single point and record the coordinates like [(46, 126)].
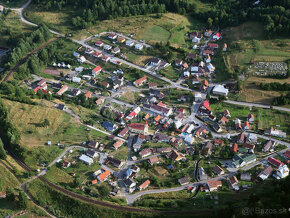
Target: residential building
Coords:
[(123, 132), (93, 144), (129, 43), (184, 180), (213, 185), (140, 81), (112, 36), (161, 109), (269, 146), (220, 90), (282, 171), (96, 70), (224, 120), (65, 164), (92, 153), (249, 147), (115, 162), (145, 153), (99, 43), (251, 118), (265, 173), (109, 126), (138, 128), (118, 144), (233, 182), (275, 132), (100, 100), (62, 90), (75, 92), (144, 185), (153, 160), (116, 50), (104, 176), (87, 160), (275, 162), (139, 46), (218, 170)]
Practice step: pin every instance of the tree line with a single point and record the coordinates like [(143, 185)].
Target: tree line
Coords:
[(275, 86), (275, 15), (92, 11), (8, 133), (25, 45), (283, 99)]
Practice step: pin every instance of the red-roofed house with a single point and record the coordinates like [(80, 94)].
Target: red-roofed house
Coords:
[(144, 185), (123, 132), (205, 105), (146, 152), (287, 154), (99, 43), (275, 162), (138, 128), (234, 147), (88, 95), (141, 81), (62, 90), (212, 45), (118, 144), (97, 54), (214, 185), (36, 89), (103, 176), (96, 70)]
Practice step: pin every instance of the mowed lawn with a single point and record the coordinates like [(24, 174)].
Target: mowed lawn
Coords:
[(156, 33), (13, 3)]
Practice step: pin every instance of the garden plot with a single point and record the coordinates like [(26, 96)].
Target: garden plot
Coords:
[(269, 69)]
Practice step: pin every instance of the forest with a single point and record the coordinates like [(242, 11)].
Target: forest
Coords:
[(95, 10), (274, 14)]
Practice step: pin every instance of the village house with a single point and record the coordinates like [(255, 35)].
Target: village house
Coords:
[(234, 147), (217, 36), (109, 126), (218, 170), (107, 47), (139, 47), (116, 50), (112, 36), (227, 113), (62, 90), (208, 148), (251, 118), (220, 90), (65, 164), (141, 81), (153, 160), (223, 120), (129, 43), (217, 127), (88, 95), (130, 184), (246, 177), (204, 85), (213, 185), (275, 132), (123, 132), (115, 162), (184, 180), (287, 154), (136, 141), (87, 160), (197, 96), (282, 172), (212, 46), (104, 175), (202, 174), (275, 162), (139, 128), (200, 131), (99, 43), (121, 39), (133, 113), (97, 54), (266, 172), (225, 47), (93, 144), (238, 124), (118, 144), (191, 56), (96, 71), (92, 153), (145, 153), (269, 146), (233, 182), (249, 147), (161, 109), (246, 125), (144, 185), (175, 155), (100, 100)]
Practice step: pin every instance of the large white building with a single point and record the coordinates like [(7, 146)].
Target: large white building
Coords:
[(220, 90)]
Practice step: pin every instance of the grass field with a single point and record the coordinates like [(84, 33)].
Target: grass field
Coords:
[(9, 180)]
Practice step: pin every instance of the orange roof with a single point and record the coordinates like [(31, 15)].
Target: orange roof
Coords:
[(157, 118), (145, 184), (104, 175), (94, 181), (88, 94), (146, 116), (205, 82), (118, 144), (141, 80), (62, 90), (161, 104)]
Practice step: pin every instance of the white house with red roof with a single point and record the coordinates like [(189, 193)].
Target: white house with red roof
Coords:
[(275, 162), (133, 113), (97, 54), (141, 81), (99, 43), (217, 36), (96, 70), (138, 128)]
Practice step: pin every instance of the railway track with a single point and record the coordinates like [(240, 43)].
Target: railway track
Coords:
[(22, 61)]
